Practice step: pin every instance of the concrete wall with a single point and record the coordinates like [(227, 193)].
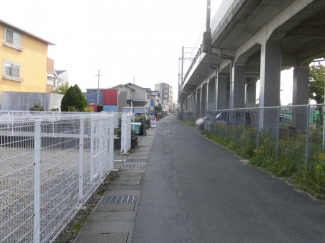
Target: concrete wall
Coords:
[(23, 101)]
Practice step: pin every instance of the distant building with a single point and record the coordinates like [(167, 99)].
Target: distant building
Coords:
[(166, 94), (23, 57), (55, 78), (140, 97), (63, 77)]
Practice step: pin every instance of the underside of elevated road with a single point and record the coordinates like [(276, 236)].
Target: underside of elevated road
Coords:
[(297, 26)]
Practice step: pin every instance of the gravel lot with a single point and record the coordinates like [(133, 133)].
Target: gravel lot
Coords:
[(59, 190)]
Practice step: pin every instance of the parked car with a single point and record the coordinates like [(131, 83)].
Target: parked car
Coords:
[(200, 122), (284, 119), (224, 117)]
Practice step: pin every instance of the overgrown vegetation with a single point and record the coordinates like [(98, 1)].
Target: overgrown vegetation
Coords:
[(62, 89), (288, 161)]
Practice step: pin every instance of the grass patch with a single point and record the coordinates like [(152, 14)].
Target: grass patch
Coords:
[(189, 123)]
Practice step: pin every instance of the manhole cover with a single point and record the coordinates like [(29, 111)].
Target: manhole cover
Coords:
[(120, 199)]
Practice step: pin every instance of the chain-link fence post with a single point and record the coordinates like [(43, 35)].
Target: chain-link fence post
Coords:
[(244, 127), (277, 133), (227, 123), (37, 182), (324, 128), (258, 127), (234, 124), (307, 137)]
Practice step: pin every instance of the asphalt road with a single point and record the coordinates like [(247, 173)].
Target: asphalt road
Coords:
[(197, 191)]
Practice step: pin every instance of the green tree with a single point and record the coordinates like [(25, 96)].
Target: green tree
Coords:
[(73, 98), (316, 89), (37, 107), (158, 110), (316, 83), (62, 89)]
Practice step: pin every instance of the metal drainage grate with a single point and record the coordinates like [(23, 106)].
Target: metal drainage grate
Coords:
[(120, 199), (134, 165), (143, 149)]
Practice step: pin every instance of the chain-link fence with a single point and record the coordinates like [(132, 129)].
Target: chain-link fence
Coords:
[(50, 163), (292, 136)]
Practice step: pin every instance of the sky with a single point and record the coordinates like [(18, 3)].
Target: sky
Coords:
[(126, 40), (130, 40)]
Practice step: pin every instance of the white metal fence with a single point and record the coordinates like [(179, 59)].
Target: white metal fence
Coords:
[(126, 132), (50, 163)]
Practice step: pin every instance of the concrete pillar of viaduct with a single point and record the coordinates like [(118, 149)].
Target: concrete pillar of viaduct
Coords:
[(251, 92), (206, 108), (198, 102), (300, 86), (270, 70), (221, 93), (211, 95), (237, 95), (203, 100), (300, 97)]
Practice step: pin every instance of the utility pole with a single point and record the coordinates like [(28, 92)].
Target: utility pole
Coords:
[(98, 75)]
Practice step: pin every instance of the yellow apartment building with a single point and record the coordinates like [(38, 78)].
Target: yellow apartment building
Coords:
[(23, 58)]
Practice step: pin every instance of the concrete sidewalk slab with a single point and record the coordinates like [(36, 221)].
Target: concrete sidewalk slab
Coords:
[(122, 192), (108, 207), (126, 182), (112, 216), (125, 187), (103, 238), (106, 227), (136, 159), (140, 154)]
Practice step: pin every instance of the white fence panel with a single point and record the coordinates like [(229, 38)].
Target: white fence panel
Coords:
[(50, 163), (126, 132)]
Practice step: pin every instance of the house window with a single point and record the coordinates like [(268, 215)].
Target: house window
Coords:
[(11, 70), (148, 96), (12, 39)]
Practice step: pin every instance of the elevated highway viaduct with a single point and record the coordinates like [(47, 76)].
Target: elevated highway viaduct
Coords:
[(254, 40)]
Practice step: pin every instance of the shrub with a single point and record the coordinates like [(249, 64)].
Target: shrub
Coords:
[(73, 98), (37, 107)]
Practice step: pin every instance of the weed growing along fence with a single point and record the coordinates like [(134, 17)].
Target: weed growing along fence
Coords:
[(50, 163), (287, 141)]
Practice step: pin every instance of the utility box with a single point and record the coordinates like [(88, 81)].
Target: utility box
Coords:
[(137, 127)]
